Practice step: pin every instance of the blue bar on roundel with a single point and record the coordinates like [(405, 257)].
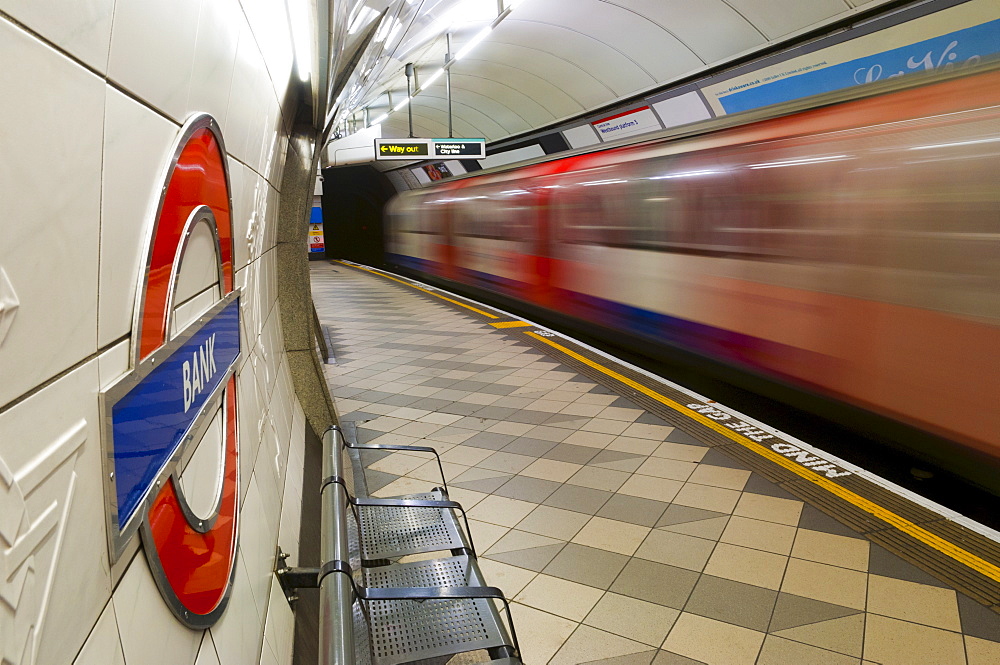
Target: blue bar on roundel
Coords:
[(152, 419)]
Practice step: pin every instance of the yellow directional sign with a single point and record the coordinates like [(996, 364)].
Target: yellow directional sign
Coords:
[(393, 149), (412, 149)]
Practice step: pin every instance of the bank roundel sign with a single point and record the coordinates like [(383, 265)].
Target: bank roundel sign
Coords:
[(170, 426)]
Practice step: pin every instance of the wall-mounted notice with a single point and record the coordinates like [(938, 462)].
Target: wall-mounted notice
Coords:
[(952, 38), (629, 123), (316, 241)]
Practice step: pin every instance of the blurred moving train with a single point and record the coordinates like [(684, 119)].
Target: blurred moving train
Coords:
[(846, 246)]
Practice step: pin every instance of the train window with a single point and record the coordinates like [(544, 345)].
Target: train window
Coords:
[(794, 201), (687, 204), (590, 208)]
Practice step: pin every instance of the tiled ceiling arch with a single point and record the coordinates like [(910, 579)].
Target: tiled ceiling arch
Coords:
[(547, 60)]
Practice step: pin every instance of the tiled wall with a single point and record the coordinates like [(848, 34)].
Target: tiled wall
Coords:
[(94, 93)]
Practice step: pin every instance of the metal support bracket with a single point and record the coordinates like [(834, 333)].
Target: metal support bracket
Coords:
[(293, 579)]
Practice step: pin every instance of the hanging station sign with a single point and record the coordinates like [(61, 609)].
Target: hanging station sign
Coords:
[(413, 149)]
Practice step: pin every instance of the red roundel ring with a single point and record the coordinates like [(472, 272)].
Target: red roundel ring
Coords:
[(193, 561)]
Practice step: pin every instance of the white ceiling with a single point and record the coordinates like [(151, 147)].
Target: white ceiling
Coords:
[(547, 60)]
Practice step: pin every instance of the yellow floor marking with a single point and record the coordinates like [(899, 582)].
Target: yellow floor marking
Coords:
[(940, 544), (512, 324), (412, 286)]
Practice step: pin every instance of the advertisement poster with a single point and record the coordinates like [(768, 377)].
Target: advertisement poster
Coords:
[(438, 171), (952, 38)]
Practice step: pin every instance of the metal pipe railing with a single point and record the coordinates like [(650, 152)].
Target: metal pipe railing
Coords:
[(336, 592)]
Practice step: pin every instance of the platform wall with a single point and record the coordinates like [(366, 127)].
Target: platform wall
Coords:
[(94, 93)]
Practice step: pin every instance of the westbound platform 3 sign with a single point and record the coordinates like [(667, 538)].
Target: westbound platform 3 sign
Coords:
[(411, 149)]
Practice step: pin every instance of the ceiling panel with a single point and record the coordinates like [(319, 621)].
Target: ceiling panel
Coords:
[(777, 20), (546, 60)]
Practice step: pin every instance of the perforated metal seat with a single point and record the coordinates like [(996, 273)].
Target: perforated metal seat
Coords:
[(404, 631), (390, 532), (417, 612)]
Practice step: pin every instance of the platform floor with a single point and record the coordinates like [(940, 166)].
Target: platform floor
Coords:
[(620, 538)]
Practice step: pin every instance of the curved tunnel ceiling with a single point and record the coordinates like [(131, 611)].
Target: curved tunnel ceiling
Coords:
[(549, 60)]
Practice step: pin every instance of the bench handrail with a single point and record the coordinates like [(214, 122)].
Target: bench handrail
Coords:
[(336, 604)]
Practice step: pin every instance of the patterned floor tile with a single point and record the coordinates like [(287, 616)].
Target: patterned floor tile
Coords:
[(769, 508), (883, 562), (588, 644), (508, 462), (566, 452), (779, 651), (655, 582), (742, 564), (830, 584), (586, 565), (599, 478), (894, 642), (634, 510), (541, 634), (641, 658), (732, 602), (611, 535), (739, 555), (981, 652), (844, 635), (526, 488), (664, 657), (713, 642), (554, 522), (548, 469), (909, 601), (760, 535), (564, 598), (676, 549), (978, 620), (579, 499)]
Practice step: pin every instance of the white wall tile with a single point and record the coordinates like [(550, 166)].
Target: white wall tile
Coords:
[(269, 21), (250, 412), (269, 471), (257, 546), (137, 147), (291, 502), (50, 454), (81, 27), (50, 188), (279, 629), (242, 112), (240, 213), (239, 633), (207, 654), (152, 51), (150, 633), (214, 55), (114, 363), (103, 647)]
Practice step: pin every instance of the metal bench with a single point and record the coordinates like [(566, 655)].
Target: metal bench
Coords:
[(399, 526), (417, 612)]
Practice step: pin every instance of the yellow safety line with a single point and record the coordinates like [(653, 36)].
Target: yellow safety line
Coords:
[(512, 324), (454, 302), (940, 544)]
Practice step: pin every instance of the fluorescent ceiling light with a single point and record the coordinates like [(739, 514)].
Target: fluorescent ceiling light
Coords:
[(379, 120), (433, 77), (474, 42)]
